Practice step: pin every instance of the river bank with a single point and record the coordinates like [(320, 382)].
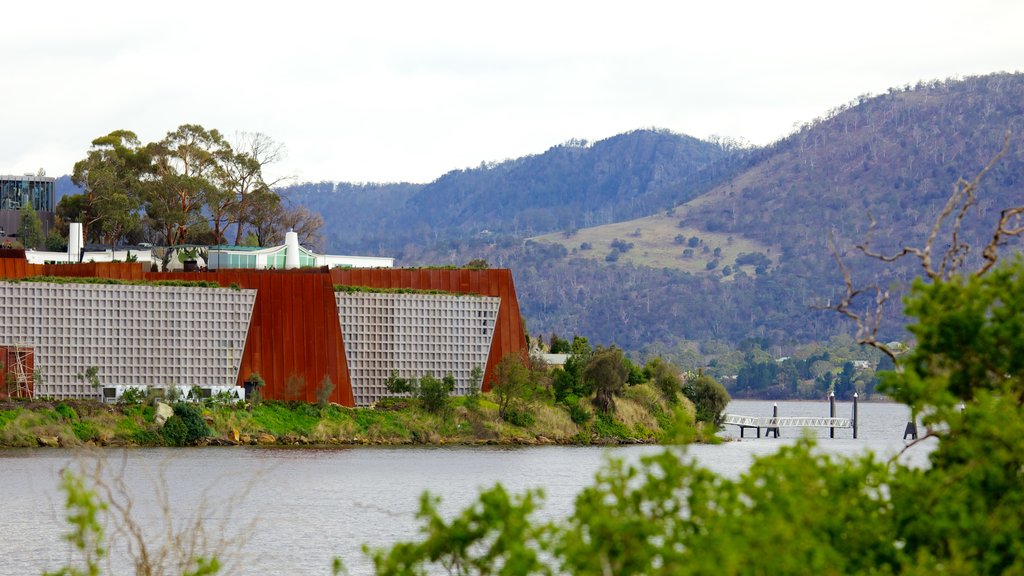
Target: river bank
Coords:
[(639, 418)]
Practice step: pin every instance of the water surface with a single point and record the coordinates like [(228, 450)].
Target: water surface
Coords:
[(291, 510)]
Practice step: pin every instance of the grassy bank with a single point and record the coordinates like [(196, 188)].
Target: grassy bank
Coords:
[(640, 416)]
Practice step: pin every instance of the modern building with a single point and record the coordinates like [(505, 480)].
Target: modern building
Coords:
[(296, 329), (216, 257), (276, 258), (18, 190)]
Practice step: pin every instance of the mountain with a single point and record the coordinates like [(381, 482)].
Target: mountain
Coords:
[(654, 239), (893, 157), (572, 185)]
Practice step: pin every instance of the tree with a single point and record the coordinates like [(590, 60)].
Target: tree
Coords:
[(240, 177), (186, 169), (435, 394), (709, 397), (261, 214), (606, 372), (304, 222), (558, 345), (570, 379), (512, 387), (30, 229), (666, 379), (111, 177)]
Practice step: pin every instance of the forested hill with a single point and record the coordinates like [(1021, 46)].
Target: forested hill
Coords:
[(893, 157), (572, 185)]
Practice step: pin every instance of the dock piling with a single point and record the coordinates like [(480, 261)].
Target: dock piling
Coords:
[(831, 412)]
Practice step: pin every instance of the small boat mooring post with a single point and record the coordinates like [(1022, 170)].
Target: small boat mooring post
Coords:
[(773, 429), (831, 412), (854, 415), (910, 430)]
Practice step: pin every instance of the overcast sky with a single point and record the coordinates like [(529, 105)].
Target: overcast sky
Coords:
[(387, 91)]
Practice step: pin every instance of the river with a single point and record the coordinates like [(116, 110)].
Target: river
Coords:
[(290, 511)]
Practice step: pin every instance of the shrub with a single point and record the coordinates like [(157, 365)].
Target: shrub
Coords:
[(175, 432), (186, 427), (434, 393), (132, 395), (66, 412), (577, 412), (398, 385), (84, 431), (708, 397), (519, 416)]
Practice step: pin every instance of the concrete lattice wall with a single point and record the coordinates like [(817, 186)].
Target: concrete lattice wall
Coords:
[(414, 334), (134, 334)]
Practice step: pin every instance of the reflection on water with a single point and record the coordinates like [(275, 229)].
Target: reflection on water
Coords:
[(306, 506)]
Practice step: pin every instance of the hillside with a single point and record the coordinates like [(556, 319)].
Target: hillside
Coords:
[(893, 157), (572, 185)]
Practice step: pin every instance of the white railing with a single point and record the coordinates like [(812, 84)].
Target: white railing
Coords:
[(786, 421)]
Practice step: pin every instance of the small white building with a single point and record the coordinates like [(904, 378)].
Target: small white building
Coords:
[(277, 257), (77, 252)]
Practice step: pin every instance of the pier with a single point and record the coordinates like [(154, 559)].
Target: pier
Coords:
[(772, 423)]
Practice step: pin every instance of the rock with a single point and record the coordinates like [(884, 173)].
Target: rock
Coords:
[(163, 412), (266, 439), (48, 441), (235, 436)]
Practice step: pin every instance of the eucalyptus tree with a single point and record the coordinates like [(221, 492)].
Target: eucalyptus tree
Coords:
[(244, 183), (186, 170), (111, 177)]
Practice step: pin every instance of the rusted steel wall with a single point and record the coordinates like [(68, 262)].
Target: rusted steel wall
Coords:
[(13, 268), (509, 334), (294, 333), (9, 386)]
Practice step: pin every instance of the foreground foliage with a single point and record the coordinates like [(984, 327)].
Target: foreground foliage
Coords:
[(799, 511), (796, 512)]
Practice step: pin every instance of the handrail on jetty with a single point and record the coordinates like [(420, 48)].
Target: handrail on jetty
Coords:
[(772, 423)]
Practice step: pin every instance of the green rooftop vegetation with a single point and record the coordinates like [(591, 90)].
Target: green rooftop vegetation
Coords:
[(370, 289), (91, 280)]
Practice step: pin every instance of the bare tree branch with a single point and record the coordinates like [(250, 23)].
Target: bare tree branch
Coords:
[(956, 209)]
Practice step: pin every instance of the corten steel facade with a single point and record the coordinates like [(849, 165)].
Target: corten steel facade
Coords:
[(295, 332)]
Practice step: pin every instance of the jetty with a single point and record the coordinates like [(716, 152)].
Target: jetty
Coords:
[(771, 424)]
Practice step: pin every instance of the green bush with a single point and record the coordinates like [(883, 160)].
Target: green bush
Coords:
[(66, 412), (175, 431), (84, 431), (518, 417), (577, 412), (434, 393), (186, 427)]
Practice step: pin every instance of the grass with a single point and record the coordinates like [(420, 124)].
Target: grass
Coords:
[(641, 417), (655, 245)]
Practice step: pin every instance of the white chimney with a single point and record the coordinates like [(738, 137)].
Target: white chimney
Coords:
[(291, 250), (75, 242)]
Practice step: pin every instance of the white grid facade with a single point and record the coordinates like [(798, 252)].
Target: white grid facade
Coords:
[(134, 334), (414, 334)]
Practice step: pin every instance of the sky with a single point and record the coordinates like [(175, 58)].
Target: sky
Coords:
[(393, 91)]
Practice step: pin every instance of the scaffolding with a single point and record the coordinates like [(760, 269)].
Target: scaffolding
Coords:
[(18, 362)]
